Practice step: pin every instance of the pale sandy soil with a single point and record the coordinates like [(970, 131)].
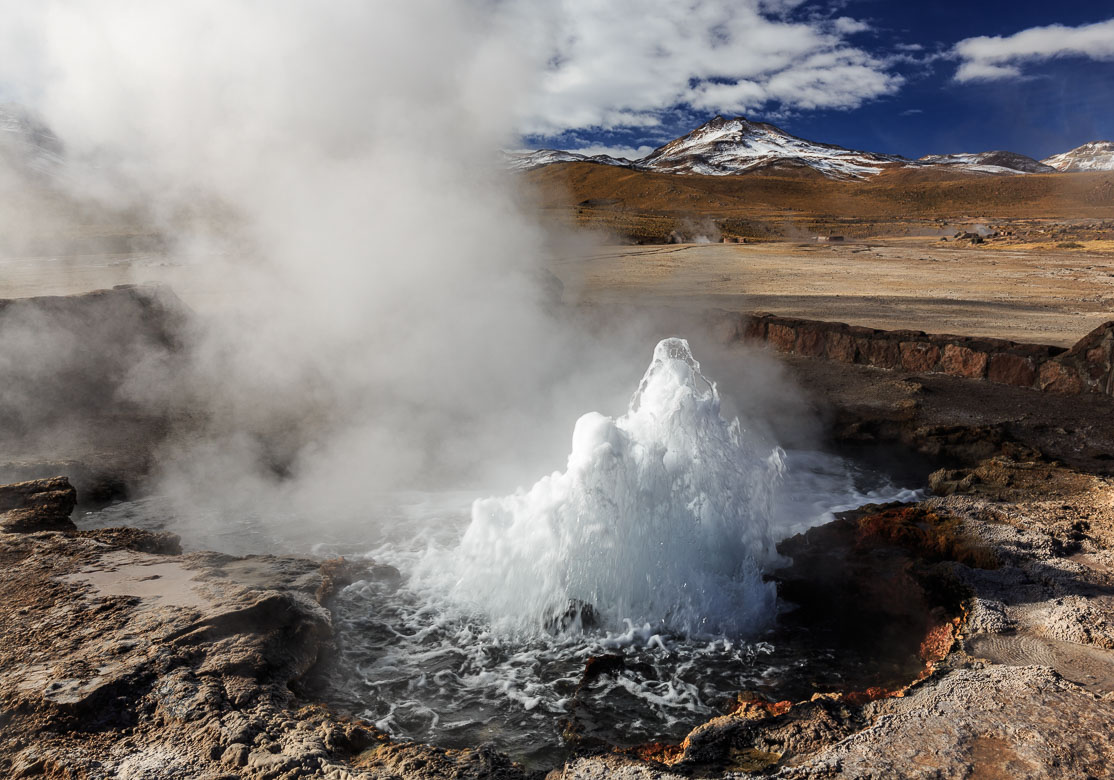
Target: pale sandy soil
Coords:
[(1041, 296), (26, 277), (1018, 293)]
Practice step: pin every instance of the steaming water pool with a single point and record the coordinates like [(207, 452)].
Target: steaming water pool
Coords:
[(653, 550), (420, 667)]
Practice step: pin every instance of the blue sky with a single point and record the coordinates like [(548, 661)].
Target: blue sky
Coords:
[(899, 77)]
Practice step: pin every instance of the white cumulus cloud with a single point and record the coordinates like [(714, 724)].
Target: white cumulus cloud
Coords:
[(989, 58), (623, 63)]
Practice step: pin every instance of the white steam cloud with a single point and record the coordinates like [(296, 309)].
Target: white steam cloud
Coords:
[(376, 311), (328, 170)]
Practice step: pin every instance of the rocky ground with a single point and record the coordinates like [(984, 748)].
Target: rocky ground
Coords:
[(122, 657), (1024, 532)]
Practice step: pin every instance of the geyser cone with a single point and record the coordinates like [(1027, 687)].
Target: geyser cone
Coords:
[(662, 517)]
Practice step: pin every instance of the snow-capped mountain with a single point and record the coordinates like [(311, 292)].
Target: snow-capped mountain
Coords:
[(26, 144), (989, 162), (525, 161), (724, 147), (1095, 156), (731, 146)]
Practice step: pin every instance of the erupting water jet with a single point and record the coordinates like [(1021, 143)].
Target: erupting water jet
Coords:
[(661, 518)]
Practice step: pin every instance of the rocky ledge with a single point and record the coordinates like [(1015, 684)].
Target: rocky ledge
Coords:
[(121, 657), (1088, 367)]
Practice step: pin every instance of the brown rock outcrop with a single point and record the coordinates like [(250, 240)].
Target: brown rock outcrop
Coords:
[(963, 361), (1007, 369), (1088, 367), (919, 356), (1056, 377), (37, 505), (88, 381), (121, 658)]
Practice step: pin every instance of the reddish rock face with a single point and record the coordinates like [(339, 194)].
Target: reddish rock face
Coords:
[(1011, 370), (1088, 366), (1098, 362), (840, 346), (725, 330), (755, 329), (919, 356), (782, 337), (962, 361), (810, 341), (880, 353), (1102, 336), (1057, 378)]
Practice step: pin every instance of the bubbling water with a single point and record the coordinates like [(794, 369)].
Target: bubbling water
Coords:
[(664, 520), (661, 518)]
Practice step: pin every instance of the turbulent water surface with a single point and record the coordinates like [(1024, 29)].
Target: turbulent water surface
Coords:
[(655, 545)]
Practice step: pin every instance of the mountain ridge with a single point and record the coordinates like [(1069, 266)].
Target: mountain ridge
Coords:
[(1091, 156), (725, 147)]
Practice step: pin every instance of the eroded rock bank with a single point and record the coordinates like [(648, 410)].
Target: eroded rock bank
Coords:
[(1026, 690), (123, 658), (1087, 367), (120, 657), (73, 399)]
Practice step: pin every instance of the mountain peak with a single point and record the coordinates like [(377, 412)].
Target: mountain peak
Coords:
[(997, 161), (724, 146), (1092, 156)]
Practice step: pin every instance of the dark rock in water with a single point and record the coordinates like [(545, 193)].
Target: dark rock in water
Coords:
[(38, 505), (600, 665), (577, 614), (339, 573), (155, 542)]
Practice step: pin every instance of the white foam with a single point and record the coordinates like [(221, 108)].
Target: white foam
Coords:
[(662, 516)]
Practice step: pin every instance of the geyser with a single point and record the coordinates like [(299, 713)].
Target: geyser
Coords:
[(662, 517)]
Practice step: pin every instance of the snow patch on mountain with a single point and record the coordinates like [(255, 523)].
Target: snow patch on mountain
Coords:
[(997, 162), (1094, 156), (26, 144), (723, 147), (726, 147), (526, 161)]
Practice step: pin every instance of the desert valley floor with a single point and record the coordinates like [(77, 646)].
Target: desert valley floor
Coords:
[(1040, 295)]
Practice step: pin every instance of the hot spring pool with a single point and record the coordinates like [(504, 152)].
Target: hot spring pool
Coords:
[(655, 548)]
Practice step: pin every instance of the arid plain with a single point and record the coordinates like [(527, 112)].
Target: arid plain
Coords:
[(1020, 294)]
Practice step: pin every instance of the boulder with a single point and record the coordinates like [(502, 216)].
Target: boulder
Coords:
[(963, 361), (1056, 377), (840, 346), (919, 356), (38, 505), (1010, 369)]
